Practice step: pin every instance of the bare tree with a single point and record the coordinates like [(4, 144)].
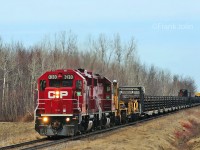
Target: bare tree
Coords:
[(21, 66), (118, 49)]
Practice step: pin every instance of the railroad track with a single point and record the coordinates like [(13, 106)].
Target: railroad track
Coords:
[(44, 143), (23, 144), (40, 143)]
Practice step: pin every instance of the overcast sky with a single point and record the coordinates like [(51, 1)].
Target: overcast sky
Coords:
[(167, 32)]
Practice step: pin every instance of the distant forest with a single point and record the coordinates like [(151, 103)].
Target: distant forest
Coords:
[(21, 66)]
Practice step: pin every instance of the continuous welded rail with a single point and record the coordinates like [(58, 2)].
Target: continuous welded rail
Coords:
[(160, 102), (27, 145)]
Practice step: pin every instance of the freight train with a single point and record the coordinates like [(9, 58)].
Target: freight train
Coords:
[(73, 102)]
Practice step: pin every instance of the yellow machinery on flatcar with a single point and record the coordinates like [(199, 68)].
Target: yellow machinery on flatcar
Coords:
[(127, 101), (132, 106)]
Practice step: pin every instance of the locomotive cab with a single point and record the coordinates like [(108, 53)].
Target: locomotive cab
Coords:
[(60, 102), (73, 101)]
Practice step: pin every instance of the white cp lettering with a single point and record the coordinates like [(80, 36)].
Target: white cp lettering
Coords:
[(57, 94)]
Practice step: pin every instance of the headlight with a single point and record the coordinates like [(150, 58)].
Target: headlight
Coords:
[(45, 119), (68, 119), (57, 94)]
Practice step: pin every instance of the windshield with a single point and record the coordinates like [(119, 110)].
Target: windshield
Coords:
[(61, 83)]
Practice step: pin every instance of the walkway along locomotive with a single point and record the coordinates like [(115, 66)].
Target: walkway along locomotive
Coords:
[(77, 101)]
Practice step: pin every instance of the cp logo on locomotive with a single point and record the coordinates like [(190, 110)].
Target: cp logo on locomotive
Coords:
[(57, 94)]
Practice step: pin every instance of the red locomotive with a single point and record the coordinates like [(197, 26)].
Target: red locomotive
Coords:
[(73, 101)]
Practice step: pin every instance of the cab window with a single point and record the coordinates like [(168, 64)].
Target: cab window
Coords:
[(61, 83), (42, 85), (54, 83), (78, 85), (67, 83), (108, 88)]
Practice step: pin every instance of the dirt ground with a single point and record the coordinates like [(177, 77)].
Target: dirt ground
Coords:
[(178, 131)]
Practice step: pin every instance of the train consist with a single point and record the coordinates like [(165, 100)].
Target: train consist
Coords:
[(72, 102)]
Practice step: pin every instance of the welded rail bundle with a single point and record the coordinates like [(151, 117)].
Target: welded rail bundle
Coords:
[(72, 102), (162, 102)]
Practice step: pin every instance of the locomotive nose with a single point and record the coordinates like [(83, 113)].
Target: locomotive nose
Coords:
[(58, 101)]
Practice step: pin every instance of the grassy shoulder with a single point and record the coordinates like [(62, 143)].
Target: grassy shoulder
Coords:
[(17, 132)]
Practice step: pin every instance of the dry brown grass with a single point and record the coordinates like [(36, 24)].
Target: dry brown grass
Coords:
[(28, 117), (188, 131), (16, 132)]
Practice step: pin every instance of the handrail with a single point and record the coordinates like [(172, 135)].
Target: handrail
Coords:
[(73, 99), (57, 99), (103, 99)]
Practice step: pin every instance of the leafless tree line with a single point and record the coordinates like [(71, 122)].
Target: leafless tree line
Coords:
[(20, 67)]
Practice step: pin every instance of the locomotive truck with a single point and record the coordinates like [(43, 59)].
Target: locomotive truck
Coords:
[(73, 101)]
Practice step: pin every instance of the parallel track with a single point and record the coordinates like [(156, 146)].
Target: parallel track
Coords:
[(27, 145)]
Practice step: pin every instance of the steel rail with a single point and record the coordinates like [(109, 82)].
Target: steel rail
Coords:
[(23, 144)]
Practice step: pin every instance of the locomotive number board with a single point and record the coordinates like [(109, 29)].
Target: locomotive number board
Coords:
[(52, 76), (68, 76)]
